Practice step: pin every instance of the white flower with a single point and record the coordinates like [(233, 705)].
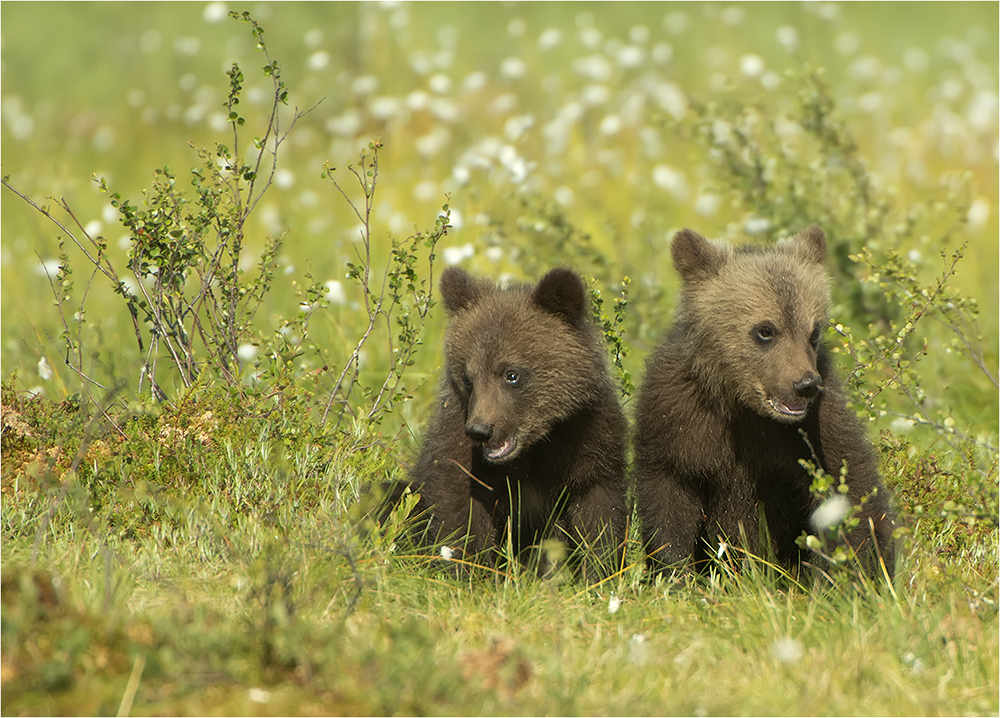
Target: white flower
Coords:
[(787, 650), (614, 604), (475, 81), (671, 98), (318, 60), (673, 181), (631, 56), (382, 108), (335, 292), (663, 52), (259, 695), (454, 255), (447, 553), (284, 178), (638, 651), (979, 213), (721, 551), (595, 67), (364, 85), (549, 39), (830, 513), (751, 65), (426, 190), (591, 37), (610, 125), (214, 12), (44, 370), (756, 225), (246, 352), (564, 195), (440, 83), (595, 95), (513, 68), (49, 268), (788, 37), (517, 125), (706, 204)]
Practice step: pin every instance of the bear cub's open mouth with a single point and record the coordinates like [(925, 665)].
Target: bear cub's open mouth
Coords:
[(502, 451), (793, 409)]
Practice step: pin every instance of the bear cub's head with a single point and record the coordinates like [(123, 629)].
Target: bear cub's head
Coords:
[(519, 359), (754, 318)]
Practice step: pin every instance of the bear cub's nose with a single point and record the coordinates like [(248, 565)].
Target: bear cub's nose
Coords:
[(808, 387), (479, 433)]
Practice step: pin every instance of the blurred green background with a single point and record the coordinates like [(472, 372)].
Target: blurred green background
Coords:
[(492, 104)]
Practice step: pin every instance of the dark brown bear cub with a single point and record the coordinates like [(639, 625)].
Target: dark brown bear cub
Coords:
[(742, 390), (528, 436)]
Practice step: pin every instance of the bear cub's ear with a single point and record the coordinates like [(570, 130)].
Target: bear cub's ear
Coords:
[(459, 289), (561, 292), (809, 245), (694, 256)]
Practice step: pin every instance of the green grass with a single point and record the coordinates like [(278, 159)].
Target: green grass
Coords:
[(211, 554), (251, 574)]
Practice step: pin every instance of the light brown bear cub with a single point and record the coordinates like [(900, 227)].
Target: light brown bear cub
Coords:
[(528, 429), (740, 391)]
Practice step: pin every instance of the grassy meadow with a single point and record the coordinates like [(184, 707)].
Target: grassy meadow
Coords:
[(186, 514)]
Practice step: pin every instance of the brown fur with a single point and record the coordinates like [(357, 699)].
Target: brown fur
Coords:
[(528, 428), (727, 398)]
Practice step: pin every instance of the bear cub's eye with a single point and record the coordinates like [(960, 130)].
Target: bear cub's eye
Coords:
[(511, 377), (814, 337), (764, 334)]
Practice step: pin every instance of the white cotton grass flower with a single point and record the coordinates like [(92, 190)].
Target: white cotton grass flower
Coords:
[(475, 81), (901, 425), (639, 34), (671, 180), (549, 39), (364, 85), (614, 603), (611, 125), (454, 255), (663, 52), (215, 12), (440, 83), (385, 107), (247, 352), (751, 65), (49, 268), (259, 695), (335, 292), (630, 56), (756, 225), (517, 125), (318, 60), (44, 370), (707, 204), (830, 513), (591, 37), (447, 553), (638, 650), (788, 37), (979, 213), (426, 191), (787, 650), (284, 178), (513, 68), (593, 95)]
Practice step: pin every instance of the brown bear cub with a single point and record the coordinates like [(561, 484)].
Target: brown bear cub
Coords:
[(740, 391), (528, 436)]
